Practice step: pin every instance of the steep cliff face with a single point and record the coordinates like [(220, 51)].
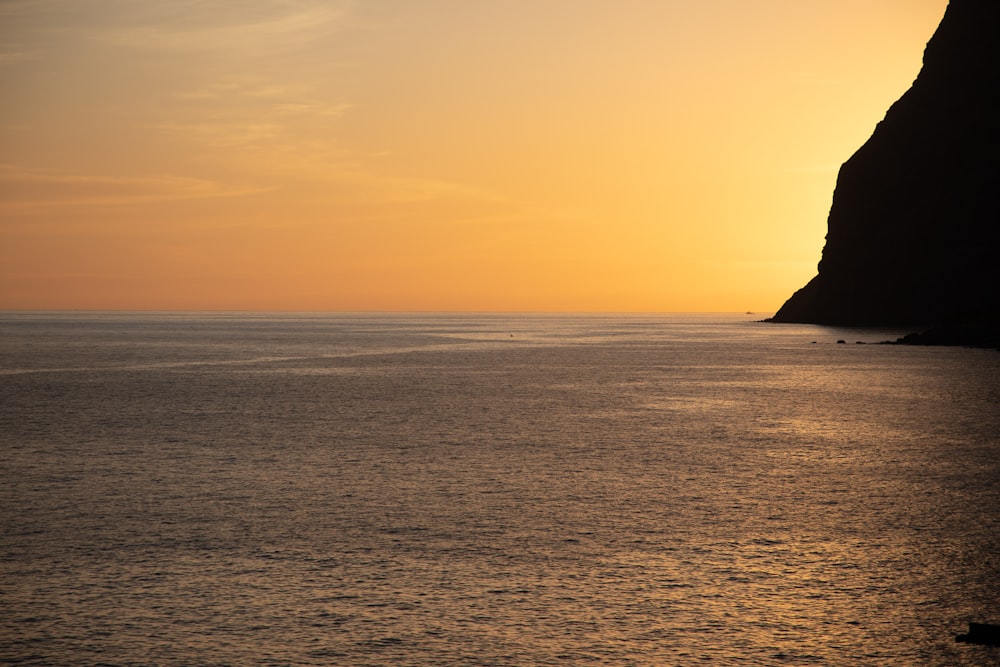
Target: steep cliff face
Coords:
[(914, 227)]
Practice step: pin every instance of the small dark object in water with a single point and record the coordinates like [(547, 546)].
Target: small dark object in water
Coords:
[(987, 634), (841, 342)]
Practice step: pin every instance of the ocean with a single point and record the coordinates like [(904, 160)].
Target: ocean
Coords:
[(491, 489)]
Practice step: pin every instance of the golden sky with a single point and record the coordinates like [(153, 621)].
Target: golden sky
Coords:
[(508, 155)]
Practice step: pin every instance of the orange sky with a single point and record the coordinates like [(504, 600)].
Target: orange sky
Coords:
[(524, 155)]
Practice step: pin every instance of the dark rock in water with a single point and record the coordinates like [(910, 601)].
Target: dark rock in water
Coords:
[(914, 227), (987, 634), (971, 336)]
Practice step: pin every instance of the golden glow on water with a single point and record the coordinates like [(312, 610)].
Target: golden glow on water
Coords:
[(571, 155), (374, 490)]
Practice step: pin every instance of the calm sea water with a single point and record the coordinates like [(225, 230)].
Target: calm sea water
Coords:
[(256, 489)]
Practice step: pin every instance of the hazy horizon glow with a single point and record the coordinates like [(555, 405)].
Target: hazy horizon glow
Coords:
[(565, 155)]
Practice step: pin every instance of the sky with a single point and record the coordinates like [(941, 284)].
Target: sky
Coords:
[(433, 155)]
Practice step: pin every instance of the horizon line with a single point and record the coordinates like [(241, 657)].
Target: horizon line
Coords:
[(384, 311)]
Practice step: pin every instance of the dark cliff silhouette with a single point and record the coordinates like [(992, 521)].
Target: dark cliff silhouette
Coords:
[(914, 227)]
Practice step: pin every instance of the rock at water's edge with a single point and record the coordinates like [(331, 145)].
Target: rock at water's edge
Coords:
[(987, 634)]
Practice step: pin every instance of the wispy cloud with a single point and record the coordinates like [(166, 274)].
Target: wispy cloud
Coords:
[(34, 188), (259, 98), (7, 57), (257, 88), (243, 83), (31, 29), (26, 188), (199, 26)]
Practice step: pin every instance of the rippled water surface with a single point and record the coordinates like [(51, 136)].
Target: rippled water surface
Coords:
[(183, 489)]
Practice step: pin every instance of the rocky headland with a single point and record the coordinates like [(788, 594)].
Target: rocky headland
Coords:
[(914, 226)]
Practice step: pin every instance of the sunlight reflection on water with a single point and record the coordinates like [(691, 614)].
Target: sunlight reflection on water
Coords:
[(417, 491)]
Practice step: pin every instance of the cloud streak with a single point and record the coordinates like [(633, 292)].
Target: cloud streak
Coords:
[(195, 26), (22, 188)]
